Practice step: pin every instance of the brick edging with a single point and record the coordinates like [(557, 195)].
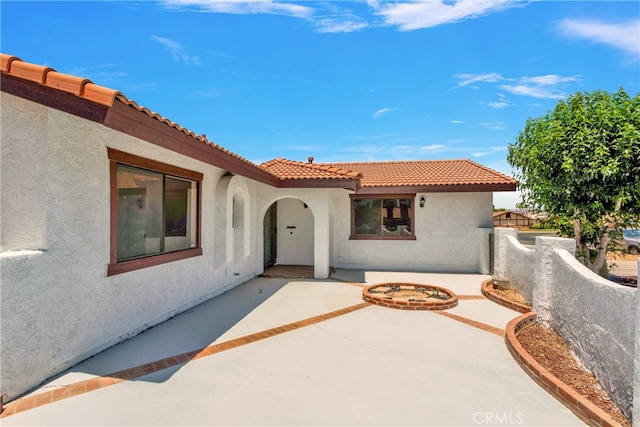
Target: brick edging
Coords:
[(403, 303), (488, 292), (578, 404), (35, 400)]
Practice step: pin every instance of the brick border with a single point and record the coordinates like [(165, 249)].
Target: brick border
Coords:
[(404, 303), (578, 404), (33, 401), (488, 292)]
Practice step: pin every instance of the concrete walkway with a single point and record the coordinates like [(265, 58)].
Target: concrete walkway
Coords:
[(306, 352)]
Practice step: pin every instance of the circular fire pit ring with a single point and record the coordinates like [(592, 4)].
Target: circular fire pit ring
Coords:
[(410, 296)]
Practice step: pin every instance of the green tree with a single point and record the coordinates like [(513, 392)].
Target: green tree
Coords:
[(581, 164)]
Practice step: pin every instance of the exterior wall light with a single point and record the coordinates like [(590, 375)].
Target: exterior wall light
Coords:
[(422, 202)]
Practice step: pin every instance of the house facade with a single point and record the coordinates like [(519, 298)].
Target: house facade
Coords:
[(114, 219)]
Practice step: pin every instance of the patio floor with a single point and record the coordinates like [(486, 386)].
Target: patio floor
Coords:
[(280, 351)]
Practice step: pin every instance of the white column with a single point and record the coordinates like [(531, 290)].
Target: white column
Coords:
[(321, 240), (484, 266), (500, 251), (543, 273)]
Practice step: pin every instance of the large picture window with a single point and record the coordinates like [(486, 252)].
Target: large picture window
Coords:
[(154, 212), (382, 217)]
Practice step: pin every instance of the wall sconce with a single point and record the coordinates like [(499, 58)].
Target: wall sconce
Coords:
[(422, 202)]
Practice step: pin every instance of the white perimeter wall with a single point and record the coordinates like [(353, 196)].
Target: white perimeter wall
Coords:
[(596, 317), (452, 235), (57, 306)]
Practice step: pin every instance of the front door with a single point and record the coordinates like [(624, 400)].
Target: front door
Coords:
[(270, 235)]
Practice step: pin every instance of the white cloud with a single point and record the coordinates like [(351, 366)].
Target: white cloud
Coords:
[(330, 25), (535, 91), (245, 7), (548, 80), (416, 14), (467, 79), (624, 36), (548, 86), (480, 153), (457, 122), (498, 104), (177, 51), (382, 112), (493, 125), (327, 17), (432, 148)]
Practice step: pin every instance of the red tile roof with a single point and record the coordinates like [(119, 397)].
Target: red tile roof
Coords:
[(417, 173), (46, 76), (85, 88), (289, 169), (420, 175)]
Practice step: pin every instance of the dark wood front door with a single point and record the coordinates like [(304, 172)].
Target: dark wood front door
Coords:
[(270, 235)]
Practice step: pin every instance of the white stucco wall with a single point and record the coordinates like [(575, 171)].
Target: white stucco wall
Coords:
[(597, 318), (57, 305), (450, 236), (520, 263)]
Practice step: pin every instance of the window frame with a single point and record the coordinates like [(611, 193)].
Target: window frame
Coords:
[(354, 236), (117, 157)]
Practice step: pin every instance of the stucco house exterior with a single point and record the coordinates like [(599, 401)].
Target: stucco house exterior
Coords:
[(114, 219)]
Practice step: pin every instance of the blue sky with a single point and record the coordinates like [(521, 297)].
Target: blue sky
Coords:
[(340, 80)]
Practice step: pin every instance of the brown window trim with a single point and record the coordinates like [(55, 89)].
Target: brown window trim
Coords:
[(119, 157), (354, 236)]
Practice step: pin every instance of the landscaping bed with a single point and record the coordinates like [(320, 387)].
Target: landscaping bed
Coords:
[(554, 354)]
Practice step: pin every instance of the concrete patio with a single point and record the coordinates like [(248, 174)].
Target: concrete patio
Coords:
[(306, 352)]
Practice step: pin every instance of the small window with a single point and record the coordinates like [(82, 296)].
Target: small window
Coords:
[(383, 217), (154, 213)]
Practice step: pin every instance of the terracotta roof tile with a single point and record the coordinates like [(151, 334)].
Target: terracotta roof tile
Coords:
[(373, 174), (418, 173), (85, 88), (289, 169), (426, 173), (47, 76)]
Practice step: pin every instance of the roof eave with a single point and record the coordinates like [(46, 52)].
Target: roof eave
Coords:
[(441, 188), (127, 119), (348, 184)]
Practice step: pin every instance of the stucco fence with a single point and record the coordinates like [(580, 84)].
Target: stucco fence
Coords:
[(596, 317)]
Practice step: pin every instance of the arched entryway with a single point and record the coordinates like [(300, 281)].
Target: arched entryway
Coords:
[(288, 233)]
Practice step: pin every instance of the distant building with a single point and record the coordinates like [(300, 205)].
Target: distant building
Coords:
[(513, 219)]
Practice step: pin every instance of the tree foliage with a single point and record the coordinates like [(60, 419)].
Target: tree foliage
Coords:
[(581, 164)]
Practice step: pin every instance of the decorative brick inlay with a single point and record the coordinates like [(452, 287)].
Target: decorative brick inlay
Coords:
[(410, 296), (578, 404), (33, 401), (487, 291)]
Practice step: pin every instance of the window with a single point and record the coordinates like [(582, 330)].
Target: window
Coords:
[(382, 217), (154, 213)]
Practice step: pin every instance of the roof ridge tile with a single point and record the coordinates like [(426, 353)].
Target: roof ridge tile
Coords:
[(66, 82)]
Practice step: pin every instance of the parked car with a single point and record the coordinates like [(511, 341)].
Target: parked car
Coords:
[(631, 239)]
